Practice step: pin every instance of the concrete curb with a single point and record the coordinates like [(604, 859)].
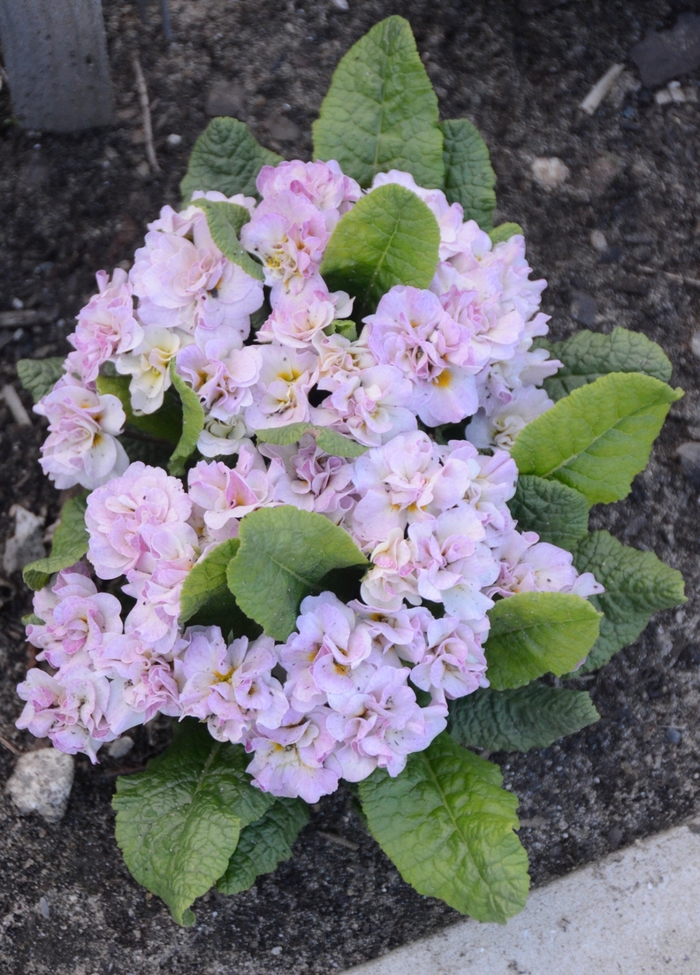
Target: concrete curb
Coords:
[(634, 913)]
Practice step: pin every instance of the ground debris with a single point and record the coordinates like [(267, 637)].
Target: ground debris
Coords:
[(661, 57)]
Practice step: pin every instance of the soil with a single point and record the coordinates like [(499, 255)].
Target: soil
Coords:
[(73, 204)]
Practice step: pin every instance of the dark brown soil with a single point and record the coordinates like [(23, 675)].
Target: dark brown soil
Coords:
[(72, 205)]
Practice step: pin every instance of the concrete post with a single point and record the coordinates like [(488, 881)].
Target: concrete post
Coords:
[(55, 54)]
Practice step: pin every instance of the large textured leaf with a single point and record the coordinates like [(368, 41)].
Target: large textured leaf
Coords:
[(637, 585), (556, 512), (70, 543), (588, 355), (39, 376), (504, 231), (225, 221), (389, 237), (284, 555), (192, 423), (226, 158), (535, 633), (534, 716), (333, 443), (448, 826), (165, 424), (469, 178), (178, 823), (381, 112), (597, 439), (264, 844)]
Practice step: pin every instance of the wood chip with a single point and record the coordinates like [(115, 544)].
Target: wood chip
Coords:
[(16, 406), (601, 89)]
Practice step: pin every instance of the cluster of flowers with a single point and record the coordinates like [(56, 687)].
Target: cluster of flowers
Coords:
[(339, 697)]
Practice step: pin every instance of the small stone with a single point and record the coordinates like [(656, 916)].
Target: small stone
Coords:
[(283, 129), (663, 56), (341, 5), (602, 174), (695, 343), (584, 309), (26, 544), (673, 736), (614, 837), (225, 98), (143, 169), (689, 454), (598, 241), (677, 93), (277, 950), (41, 783), (550, 172), (174, 139), (44, 907), (17, 304), (663, 97), (120, 747)]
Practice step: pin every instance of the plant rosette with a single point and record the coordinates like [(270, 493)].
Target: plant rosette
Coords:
[(334, 508)]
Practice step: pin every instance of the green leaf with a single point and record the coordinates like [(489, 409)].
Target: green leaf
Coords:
[(205, 588), (556, 512), (329, 440), (284, 555), (534, 716), (192, 423), (504, 231), (596, 439), (178, 823), (70, 543), (226, 158), (264, 844), (448, 826), (381, 112), (344, 327), (469, 178), (389, 237), (535, 633), (32, 618), (637, 585), (225, 221), (588, 355), (165, 424), (39, 376)]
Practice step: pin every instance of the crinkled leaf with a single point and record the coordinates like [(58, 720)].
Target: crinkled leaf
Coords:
[(588, 355), (504, 231), (192, 423), (344, 327), (284, 555), (329, 440), (637, 585), (528, 717), (206, 599), (469, 177), (227, 158), (225, 221), (70, 543), (178, 823), (381, 112), (39, 376), (535, 633), (558, 513), (32, 618), (599, 437), (165, 424), (264, 844), (389, 237), (448, 826)]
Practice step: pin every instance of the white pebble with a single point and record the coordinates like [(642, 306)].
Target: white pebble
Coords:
[(174, 139), (120, 747), (341, 5), (41, 783), (277, 950), (695, 343), (550, 173), (598, 241), (17, 304)]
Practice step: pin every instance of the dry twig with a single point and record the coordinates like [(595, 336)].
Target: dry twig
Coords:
[(601, 89), (25, 318), (16, 406), (10, 747), (146, 111), (338, 840), (681, 278)]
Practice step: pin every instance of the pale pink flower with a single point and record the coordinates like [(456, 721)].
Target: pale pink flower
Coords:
[(81, 447), (528, 565), (221, 376), (149, 366), (323, 184), (297, 318), (501, 427), (454, 664), (222, 495), (281, 394), (308, 478), (399, 632), (370, 406), (146, 677)]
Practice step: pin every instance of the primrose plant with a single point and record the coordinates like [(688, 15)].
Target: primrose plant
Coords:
[(329, 510)]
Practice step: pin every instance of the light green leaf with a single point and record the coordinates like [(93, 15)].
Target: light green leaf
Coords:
[(165, 424), (32, 618), (389, 237), (192, 423), (344, 327), (70, 543), (178, 823), (226, 158), (39, 376), (225, 221), (536, 633), (448, 826), (534, 716), (556, 512), (284, 555), (469, 178), (205, 587), (637, 585), (264, 844), (329, 440), (504, 231), (588, 355), (596, 439), (381, 112)]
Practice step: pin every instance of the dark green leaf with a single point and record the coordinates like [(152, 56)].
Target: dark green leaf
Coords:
[(558, 513), (164, 425), (469, 178), (70, 543), (226, 158)]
